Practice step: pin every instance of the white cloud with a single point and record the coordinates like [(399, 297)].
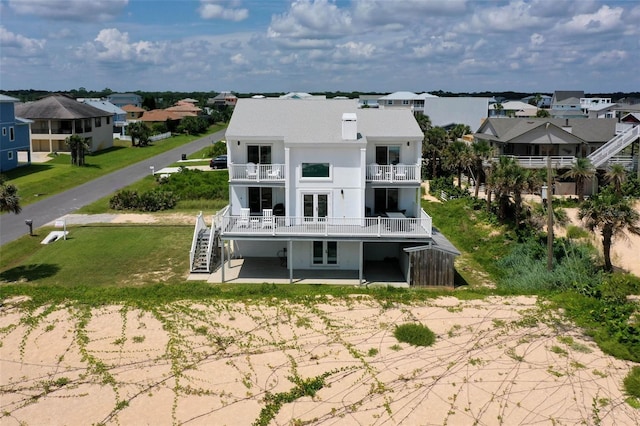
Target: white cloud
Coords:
[(73, 10), (111, 45), (536, 40), (23, 45), (605, 19), (352, 51), (239, 59), (306, 19), (607, 58), (385, 12), (438, 46), (513, 16), (221, 9)]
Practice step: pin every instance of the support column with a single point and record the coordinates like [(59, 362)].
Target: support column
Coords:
[(361, 266), (290, 261), (222, 260)]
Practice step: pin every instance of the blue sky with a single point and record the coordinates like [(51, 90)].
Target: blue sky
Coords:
[(320, 45)]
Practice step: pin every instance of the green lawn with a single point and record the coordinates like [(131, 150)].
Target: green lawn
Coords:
[(45, 179), (96, 256)]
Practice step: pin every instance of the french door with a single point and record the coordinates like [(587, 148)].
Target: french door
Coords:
[(325, 253), (387, 155), (315, 207), (259, 154)]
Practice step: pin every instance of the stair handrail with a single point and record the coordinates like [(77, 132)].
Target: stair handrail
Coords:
[(210, 248), (200, 224), (613, 146)]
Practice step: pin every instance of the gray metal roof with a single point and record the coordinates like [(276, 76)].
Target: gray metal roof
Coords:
[(105, 106), (316, 121), (595, 130), (58, 107)]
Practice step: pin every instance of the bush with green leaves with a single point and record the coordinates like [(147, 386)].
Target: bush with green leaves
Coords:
[(632, 382), (197, 184), (525, 268), (415, 334), (150, 201), (218, 148), (445, 184)]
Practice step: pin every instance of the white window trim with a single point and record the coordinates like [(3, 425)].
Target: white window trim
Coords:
[(12, 134), (4, 131), (10, 155), (326, 265)]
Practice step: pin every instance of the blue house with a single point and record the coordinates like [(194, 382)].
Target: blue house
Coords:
[(15, 136)]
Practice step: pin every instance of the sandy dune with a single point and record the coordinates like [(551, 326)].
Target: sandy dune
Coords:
[(496, 361)]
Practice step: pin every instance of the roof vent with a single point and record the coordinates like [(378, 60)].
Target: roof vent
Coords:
[(349, 126)]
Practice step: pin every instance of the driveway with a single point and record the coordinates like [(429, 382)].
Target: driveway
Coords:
[(13, 226)]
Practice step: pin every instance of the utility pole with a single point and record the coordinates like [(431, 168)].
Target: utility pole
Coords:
[(549, 207)]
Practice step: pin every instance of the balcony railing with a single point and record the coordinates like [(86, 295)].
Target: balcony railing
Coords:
[(256, 172), (540, 162), (288, 226), (393, 173)]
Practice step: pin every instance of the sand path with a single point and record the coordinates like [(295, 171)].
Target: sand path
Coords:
[(496, 361)]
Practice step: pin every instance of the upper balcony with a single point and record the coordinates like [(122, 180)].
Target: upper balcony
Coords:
[(393, 173), (397, 173), (251, 172)]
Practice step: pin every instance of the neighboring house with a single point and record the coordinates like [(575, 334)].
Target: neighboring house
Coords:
[(404, 100), (222, 99), (119, 115), (444, 112), (368, 101), (15, 137), (543, 102), (512, 109), (531, 140), (57, 117), (302, 95), (184, 109), (161, 116), (133, 112), (566, 104), (328, 186), (122, 99)]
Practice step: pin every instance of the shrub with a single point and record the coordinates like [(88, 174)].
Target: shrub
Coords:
[(632, 382), (616, 287), (415, 334), (150, 201), (577, 232), (197, 185), (525, 268)]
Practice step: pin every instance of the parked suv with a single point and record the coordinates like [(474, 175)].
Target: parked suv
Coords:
[(220, 162)]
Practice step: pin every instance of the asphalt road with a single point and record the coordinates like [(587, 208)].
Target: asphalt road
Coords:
[(13, 226)]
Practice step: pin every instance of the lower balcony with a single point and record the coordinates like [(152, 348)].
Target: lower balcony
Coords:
[(396, 225)]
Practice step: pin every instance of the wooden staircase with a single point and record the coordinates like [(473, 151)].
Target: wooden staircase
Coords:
[(201, 255), (600, 156)]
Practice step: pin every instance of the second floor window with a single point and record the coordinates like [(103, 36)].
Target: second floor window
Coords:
[(98, 122), (12, 134), (316, 170)]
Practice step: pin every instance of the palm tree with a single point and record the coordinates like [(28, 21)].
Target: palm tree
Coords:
[(139, 130), (434, 143), (509, 177), (481, 152), (9, 199), (616, 176), (457, 157), (78, 147), (612, 215), (581, 171)]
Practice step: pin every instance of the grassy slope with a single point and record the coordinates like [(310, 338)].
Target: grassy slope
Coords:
[(35, 181)]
